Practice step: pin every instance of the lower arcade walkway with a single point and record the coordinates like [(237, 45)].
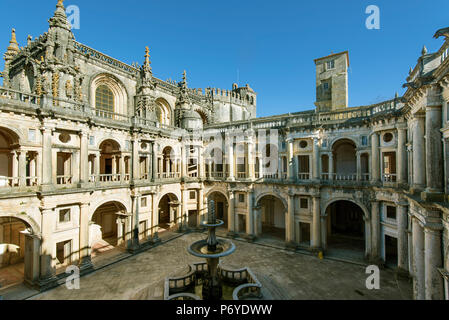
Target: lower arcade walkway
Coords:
[(284, 274)]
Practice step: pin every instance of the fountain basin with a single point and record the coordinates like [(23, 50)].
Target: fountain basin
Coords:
[(199, 249)]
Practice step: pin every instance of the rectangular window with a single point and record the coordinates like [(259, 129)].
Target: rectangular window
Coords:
[(64, 215), (364, 140), (304, 203), (391, 212), (241, 197), (143, 202), (32, 135), (192, 195), (303, 164), (330, 64), (326, 86), (92, 140)]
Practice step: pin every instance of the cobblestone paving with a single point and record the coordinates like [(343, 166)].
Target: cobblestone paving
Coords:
[(283, 274)]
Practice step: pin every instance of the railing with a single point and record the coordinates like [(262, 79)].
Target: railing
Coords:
[(63, 180), (241, 175), (17, 95), (366, 177), (109, 177), (110, 115), (31, 181), (325, 176), (9, 182), (193, 174), (389, 177), (304, 176), (345, 177), (271, 176), (168, 175), (217, 175)]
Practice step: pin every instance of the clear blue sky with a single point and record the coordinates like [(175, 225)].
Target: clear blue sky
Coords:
[(271, 43)]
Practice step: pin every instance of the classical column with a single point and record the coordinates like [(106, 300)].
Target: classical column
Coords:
[(419, 160), (84, 157), (359, 166), (375, 230), (230, 157), (114, 167), (251, 161), (418, 260), (201, 163), (122, 167), (231, 212), (324, 232), (154, 166), (331, 166), (375, 168), (200, 206), (135, 222), (402, 155), (432, 261), (184, 213), (47, 178), (434, 149), (135, 160), (22, 168), (155, 214), (250, 215), (183, 162), (84, 248), (290, 223), (47, 245), (316, 234), (97, 167), (402, 237), (316, 160), (290, 161), (368, 248)]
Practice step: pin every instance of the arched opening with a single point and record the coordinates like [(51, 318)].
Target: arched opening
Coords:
[(271, 222), (163, 112), (270, 161), (9, 159), (346, 229), (169, 212), (108, 229), (345, 160), (109, 97), (170, 166), (104, 101), (216, 164), (13, 248), (110, 157), (203, 116), (221, 206)]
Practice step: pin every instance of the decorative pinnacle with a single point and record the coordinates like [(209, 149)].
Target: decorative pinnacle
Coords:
[(13, 45), (184, 79), (424, 50), (147, 56), (60, 3)]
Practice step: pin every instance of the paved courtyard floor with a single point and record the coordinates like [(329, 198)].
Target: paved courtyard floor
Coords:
[(284, 275)]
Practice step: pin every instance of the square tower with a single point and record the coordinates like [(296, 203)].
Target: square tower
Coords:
[(332, 82)]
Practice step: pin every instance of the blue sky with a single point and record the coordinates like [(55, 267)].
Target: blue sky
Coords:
[(270, 44)]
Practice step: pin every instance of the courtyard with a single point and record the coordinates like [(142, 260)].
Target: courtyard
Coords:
[(284, 274)]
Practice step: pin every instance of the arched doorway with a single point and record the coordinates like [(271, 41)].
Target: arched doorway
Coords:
[(13, 251), (221, 206), (345, 160), (9, 159), (110, 157), (168, 212), (109, 227), (271, 222), (346, 229)]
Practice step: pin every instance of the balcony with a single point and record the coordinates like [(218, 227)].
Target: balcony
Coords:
[(303, 176), (389, 177), (8, 182), (169, 175), (64, 180)]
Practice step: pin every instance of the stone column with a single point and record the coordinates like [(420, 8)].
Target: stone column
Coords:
[(231, 212), (122, 167), (201, 163), (324, 232), (84, 248), (434, 150), (135, 160), (97, 167), (316, 234), (155, 214), (359, 166), (368, 248), (316, 160), (250, 215), (418, 257), (47, 178), (135, 222), (84, 157), (251, 161), (184, 213), (419, 160), (375, 230), (22, 168), (290, 161), (432, 260), (402, 237), (230, 157), (200, 206), (375, 168), (331, 166), (31, 259), (290, 223), (154, 166), (402, 156)]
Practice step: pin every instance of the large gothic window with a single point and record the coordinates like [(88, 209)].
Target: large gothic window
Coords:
[(104, 101)]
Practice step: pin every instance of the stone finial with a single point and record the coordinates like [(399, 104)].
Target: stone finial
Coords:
[(410, 71), (13, 48), (147, 56), (59, 19), (184, 79), (396, 95), (60, 3), (29, 39), (424, 51)]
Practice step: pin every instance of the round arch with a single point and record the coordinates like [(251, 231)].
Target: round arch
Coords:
[(168, 211), (115, 85), (338, 139), (164, 112), (333, 200), (270, 193), (112, 140), (203, 116), (218, 190), (27, 220), (12, 135), (103, 201)]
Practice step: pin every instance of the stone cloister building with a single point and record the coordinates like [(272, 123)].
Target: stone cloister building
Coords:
[(96, 151)]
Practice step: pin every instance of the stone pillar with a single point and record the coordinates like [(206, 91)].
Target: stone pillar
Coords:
[(47, 246), (84, 247), (231, 213), (402, 215), (183, 162), (368, 248), (375, 231), (250, 215), (155, 214), (418, 260), (402, 156), (135, 160), (184, 212), (261, 162), (230, 157), (324, 232), (316, 234), (154, 166), (315, 160), (331, 166), (84, 158), (290, 223), (432, 260), (97, 167), (47, 159), (134, 245), (375, 158), (359, 166), (15, 167), (290, 161), (200, 206), (251, 161), (31, 259), (434, 150), (22, 168), (201, 163), (122, 167), (419, 160)]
